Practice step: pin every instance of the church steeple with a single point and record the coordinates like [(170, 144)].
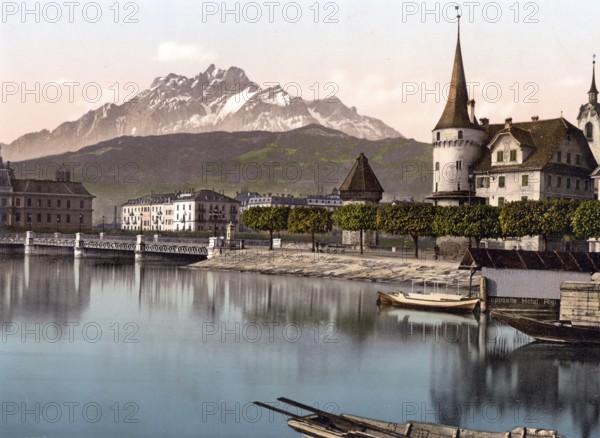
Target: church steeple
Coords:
[(593, 93), (456, 114)]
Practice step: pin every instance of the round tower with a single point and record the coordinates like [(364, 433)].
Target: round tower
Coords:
[(457, 141)]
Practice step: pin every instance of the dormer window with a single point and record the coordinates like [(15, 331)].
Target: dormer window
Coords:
[(559, 156), (437, 136), (513, 155), (568, 158), (500, 156), (460, 134)]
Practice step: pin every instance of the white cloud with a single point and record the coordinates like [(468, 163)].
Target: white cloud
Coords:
[(569, 82), (171, 51)]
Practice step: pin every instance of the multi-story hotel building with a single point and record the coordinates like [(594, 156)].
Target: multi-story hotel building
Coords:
[(204, 210), (44, 205)]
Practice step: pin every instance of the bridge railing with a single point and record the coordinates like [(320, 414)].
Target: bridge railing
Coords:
[(169, 240)]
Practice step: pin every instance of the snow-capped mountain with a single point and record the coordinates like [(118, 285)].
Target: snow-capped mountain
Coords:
[(216, 100)]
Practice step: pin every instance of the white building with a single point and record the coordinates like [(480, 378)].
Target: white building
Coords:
[(188, 211), (150, 212)]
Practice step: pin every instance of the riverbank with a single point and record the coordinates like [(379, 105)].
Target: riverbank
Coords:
[(374, 267)]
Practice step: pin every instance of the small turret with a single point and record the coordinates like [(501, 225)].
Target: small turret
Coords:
[(593, 93)]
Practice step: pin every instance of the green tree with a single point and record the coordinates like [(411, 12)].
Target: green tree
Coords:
[(537, 218), (266, 219), (557, 218), (356, 217), (522, 218), (472, 221), (480, 222), (310, 220), (586, 220), (446, 221), (412, 219)]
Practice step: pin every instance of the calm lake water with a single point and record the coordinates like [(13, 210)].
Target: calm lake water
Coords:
[(98, 349)]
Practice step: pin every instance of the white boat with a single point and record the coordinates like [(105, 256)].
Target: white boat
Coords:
[(436, 301)]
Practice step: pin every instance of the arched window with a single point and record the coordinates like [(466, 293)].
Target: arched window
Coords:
[(589, 130), (437, 136), (460, 135)]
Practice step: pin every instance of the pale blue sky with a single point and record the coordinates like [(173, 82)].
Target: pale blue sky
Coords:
[(376, 55)]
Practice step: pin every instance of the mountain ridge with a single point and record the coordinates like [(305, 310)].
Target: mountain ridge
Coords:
[(215, 100)]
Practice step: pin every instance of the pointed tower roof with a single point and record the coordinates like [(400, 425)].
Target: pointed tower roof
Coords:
[(593, 88), (361, 183), (456, 114)]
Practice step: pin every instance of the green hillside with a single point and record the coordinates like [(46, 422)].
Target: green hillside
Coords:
[(295, 162)]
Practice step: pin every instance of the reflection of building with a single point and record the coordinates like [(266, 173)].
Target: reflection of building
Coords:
[(361, 186), (37, 288), (191, 211), (494, 164), (44, 204)]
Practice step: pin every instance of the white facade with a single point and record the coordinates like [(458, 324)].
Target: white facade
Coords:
[(199, 211), (564, 179), (454, 152)]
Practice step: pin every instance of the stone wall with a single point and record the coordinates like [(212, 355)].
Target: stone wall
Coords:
[(580, 303)]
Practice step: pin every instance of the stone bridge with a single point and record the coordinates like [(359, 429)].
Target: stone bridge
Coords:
[(102, 246)]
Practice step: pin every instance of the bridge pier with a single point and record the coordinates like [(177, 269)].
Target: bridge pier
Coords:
[(29, 248), (79, 250), (140, 248)]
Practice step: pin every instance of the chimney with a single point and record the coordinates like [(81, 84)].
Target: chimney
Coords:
[(472, 110), (535, 118), (484, 122), (508, 123)]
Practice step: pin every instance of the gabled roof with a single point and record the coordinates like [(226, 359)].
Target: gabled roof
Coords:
[(477, 258), (546, 137), (361, 178), (44, 187), (456, 114), (521, 135)]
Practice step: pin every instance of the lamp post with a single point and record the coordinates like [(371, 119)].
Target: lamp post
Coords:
[(29, 220), (57, 223), (141, 229), (157, 220), (80, 222), (103, 219), (215, 215), (130, 222), (183, 221)]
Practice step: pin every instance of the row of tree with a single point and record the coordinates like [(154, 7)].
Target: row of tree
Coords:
[(555, 218)]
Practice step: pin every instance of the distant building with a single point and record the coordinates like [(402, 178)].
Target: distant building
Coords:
[(40, 205), (204, 210), (150, 212), (330, 202), (253, 199), (361, 186)]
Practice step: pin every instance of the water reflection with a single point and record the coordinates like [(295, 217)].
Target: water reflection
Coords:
[(43, 288), (218, 337)]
